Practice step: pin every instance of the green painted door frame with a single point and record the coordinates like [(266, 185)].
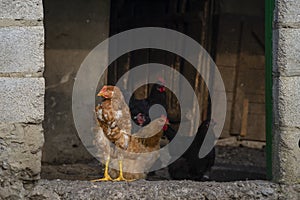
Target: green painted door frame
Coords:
[(269, 8)]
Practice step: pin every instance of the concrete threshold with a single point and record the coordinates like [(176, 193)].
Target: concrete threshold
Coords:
[(142, 189)]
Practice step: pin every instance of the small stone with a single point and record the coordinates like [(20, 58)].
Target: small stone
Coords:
[(240, 185), (4, 165), (267, 191), (250, 193), (236, 196)]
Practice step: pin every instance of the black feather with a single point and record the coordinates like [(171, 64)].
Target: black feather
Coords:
[(196, 166), (142, 106)]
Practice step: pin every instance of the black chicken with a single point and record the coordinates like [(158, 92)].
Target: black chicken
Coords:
[(139, 108), (197, 169)]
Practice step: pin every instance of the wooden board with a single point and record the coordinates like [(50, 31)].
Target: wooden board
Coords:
[(240, 58), (244, 125), (192, 17)]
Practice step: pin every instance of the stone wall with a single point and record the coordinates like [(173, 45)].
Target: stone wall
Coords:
[(22, 95), (22, 90), (286, 93)]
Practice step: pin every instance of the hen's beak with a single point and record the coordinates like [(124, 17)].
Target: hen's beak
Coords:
[(100, 94)]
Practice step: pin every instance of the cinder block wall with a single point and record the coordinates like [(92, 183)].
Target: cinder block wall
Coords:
[(22, 95), (286, 91)]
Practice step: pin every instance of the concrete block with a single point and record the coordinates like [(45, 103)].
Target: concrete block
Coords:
[(21, 151), (287, 11), (286, 97), (275, 95), (286, 155), (11, 188), (22, 49), (286, 51), (21, 9), (22, 100)]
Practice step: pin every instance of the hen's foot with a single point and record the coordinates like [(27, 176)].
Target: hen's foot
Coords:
[(121, 177), (106, 175), (108, 178)]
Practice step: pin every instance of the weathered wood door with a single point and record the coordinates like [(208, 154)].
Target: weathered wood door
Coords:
[(191, 17)]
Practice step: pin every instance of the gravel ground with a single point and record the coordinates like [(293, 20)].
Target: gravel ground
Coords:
[(77, 190), (232, 163)]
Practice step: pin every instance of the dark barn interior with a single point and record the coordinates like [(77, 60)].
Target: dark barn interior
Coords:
[(231, 31)]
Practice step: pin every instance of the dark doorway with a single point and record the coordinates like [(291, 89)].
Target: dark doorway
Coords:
[(232, 31)]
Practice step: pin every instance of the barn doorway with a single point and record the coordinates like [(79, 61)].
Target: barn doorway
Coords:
[(231, 31)]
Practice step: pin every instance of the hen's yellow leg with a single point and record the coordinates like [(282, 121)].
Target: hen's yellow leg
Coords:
[(121, 177), (106, 175)]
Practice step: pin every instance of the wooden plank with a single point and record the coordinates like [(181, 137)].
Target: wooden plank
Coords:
[(252, 81), (228, 41), (256, 129), (253, 61), (121, 66), (195, 101), (237, 95), (206, 43), (244, 124), (257, 108), (256, 98), (170, 14), (226, 128), (137, 58), (250, 85), (227, 73), (175, 84)]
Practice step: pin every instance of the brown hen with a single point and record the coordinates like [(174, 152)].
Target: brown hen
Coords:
[(113, 117)]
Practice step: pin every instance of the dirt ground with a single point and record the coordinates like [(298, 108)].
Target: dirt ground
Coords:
[(238, 174), (235, 160)]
